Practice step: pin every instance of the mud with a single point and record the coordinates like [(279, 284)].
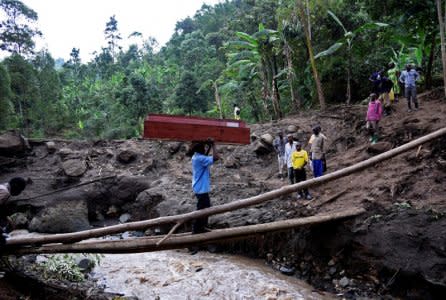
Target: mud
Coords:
[(396, 249)]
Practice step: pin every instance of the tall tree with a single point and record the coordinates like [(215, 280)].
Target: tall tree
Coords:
[(441, 22), (5, 94), (304, 16), (112, 36), (17, 30)]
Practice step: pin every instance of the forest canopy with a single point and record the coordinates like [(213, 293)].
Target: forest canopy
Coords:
[(272, 58)]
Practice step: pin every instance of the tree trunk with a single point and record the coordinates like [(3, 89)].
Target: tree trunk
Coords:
[(288, 189), (149, 244), (295, 97), (349, 78), (218, 100), (428, 83), (442, 40), (304, 19)]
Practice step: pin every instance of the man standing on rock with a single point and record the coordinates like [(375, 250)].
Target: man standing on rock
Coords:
[(12, 188), (279, 146), (201, 178), (317, 153), (290, 147)]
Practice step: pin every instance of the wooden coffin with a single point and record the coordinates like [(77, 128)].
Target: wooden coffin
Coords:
[(183, 128)]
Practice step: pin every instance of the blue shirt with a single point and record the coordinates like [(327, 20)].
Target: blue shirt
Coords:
[(201, 176), (409, 78)]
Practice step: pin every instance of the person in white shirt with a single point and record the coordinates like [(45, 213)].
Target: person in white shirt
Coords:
[(290, 147)]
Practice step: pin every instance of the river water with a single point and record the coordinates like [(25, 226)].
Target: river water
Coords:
[(176, 274)]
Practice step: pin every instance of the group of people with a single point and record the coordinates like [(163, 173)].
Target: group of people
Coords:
[(291, 154), (386, 88)]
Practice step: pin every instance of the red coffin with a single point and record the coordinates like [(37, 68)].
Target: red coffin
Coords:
[(182, 128)]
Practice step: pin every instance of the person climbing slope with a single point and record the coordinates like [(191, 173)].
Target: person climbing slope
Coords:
[(374, 114)]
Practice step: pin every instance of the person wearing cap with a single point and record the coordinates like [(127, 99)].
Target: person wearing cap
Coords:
[(409, 78), (290, 147), (201, 178), (317, 152), (279, 146), (299, 159), (12, 188)]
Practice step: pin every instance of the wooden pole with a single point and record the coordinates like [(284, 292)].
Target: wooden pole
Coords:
[(149, 244), (142, 225)]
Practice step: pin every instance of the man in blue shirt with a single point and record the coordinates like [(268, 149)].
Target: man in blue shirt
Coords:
[(201, 178), (409, 77)]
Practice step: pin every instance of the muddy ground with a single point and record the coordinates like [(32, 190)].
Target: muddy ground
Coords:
[(396, 249)]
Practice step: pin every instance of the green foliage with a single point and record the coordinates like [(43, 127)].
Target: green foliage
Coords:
[(16, 34), (64, 267), (248, 52)]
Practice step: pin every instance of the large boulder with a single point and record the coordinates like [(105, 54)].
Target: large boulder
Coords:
[(12, 143), (61, 217), (74, 167), (145, 204), (379, 148)]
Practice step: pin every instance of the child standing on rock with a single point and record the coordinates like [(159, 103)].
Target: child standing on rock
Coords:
[(374, 114)]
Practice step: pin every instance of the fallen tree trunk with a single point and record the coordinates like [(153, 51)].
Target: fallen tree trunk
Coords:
[(142, 225), (149, 244)]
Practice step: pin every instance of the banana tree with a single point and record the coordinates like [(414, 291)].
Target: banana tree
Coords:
[(255, 56), (347, 40)]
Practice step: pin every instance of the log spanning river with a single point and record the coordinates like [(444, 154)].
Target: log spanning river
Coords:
[(180, 275)]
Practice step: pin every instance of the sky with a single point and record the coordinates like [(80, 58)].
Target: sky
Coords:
[(68, 24)]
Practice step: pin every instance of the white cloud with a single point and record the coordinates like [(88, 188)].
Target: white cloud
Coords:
[(80, 23)]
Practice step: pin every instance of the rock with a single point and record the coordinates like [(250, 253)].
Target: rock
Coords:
[(74, 167), (332, 271), (379, 148), (150, 166), (344, 282), (175, 147), (331, 263), (262, 149), (112, 211), (51, 147), (12, 143), (61, 217), (287, 270), (125, 218), (292, 129), (267, 139), (19, 220), (67, 153), (146, 203), (269, 257), (85, 264), (127, 156), (231, 163), (109, 153)]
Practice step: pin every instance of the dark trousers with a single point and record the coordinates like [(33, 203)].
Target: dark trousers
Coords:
[(301, 175), (410, 92), (291, 175), (201, 223)]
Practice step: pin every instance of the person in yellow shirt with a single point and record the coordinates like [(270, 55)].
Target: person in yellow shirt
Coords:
[(299, 159)]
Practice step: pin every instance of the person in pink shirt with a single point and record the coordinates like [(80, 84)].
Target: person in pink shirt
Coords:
[(374, 114)]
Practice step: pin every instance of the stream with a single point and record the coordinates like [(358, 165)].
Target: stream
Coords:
[(176, 274)]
